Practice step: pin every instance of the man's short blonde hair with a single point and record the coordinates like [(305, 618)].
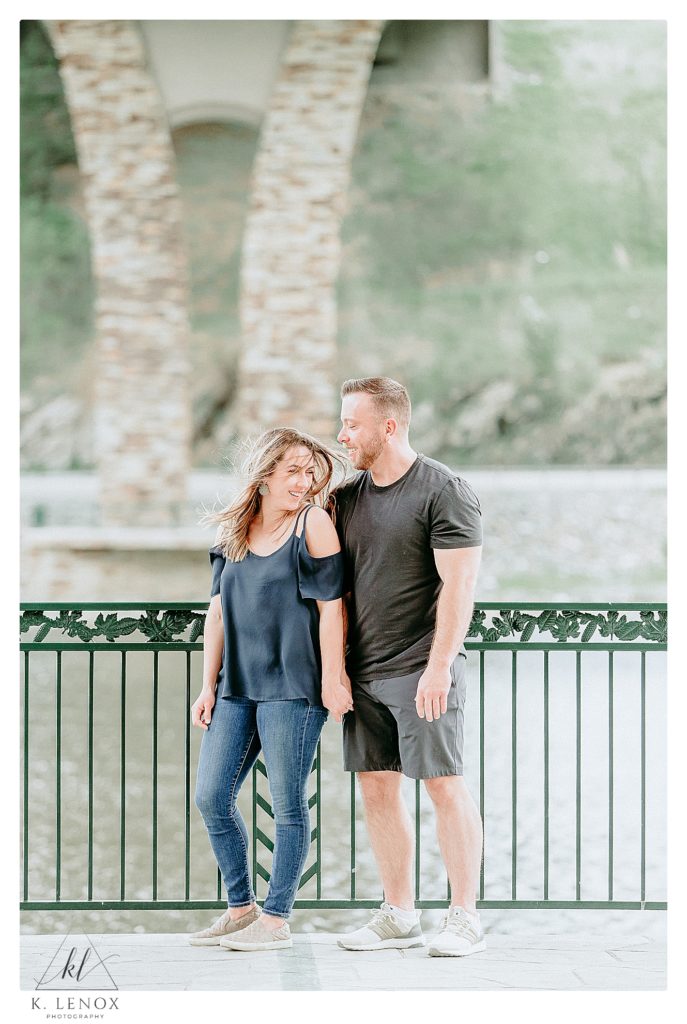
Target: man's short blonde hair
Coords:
[(391, 399)]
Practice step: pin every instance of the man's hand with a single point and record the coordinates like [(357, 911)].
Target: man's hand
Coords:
[(432, 692), (336, 696)]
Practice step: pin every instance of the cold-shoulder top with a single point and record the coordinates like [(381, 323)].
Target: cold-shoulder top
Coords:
[(271, 621)]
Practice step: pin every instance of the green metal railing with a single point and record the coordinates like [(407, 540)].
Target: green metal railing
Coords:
[(610, 629)]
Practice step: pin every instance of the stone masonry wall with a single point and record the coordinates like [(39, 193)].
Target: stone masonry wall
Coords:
[(142, 427), (292, 247)]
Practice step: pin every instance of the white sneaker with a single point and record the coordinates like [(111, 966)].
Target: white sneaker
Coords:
[(460, 936), (385, 931)]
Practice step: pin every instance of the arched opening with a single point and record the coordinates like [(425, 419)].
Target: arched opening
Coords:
[(428, 51), (428, 88), (214, 163)]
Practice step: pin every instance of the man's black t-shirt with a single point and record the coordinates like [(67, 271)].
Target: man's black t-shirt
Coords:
[(388, 535)]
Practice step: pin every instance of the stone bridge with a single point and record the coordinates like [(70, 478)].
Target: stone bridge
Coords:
[(308, 93)]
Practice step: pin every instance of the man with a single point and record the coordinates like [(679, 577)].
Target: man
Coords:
[(411, 534)]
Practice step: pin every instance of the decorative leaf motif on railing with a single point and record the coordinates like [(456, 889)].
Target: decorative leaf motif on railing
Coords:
[(42, 632), (559, 624), (164, 627), (590, 629), (566, 624), (28, 619), (655, 629), (196, 628), (111, 627)]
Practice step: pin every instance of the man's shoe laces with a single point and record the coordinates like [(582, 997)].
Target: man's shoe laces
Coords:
[(381, 915), (460, 925)]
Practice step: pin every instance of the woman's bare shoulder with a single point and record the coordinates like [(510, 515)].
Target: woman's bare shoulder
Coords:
[(320, 534)]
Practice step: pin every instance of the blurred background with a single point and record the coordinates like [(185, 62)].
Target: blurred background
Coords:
[(223, 220), (220, 222)]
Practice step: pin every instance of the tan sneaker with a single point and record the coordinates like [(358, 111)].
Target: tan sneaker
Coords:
[(257, 936), (222, 926)]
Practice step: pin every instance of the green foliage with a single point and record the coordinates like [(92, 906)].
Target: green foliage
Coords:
[(56, 290), (45, 136), (56, 285), (523, 240)]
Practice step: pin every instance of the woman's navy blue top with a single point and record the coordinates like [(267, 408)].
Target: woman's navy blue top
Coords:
[(271, 620)]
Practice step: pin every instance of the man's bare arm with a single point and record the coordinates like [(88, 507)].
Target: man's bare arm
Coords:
[(458, 569)]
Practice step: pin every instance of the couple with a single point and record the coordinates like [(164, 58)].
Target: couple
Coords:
[(404, 557)]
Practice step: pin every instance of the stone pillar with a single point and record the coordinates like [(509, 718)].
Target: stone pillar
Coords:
[(126, 161), (292, 248)]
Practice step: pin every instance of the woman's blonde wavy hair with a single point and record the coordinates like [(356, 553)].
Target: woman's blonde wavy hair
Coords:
[(260, 457)]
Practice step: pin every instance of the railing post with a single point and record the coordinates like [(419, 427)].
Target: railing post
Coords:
[(352, 835), (58, 775), (187, 782), (611, 821), (26, 775), (155, 701), (514, 776), (578, 775), (643, 779), (481, 773), (417, 839), (546, 775), (318, 813), (122, 780), (91, 656)]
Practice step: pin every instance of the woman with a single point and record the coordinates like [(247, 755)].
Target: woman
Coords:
[(273, 654)]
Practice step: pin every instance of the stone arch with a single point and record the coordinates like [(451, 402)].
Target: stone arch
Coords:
[(142, 425), (217, 112), (292, 248), (210, 70)]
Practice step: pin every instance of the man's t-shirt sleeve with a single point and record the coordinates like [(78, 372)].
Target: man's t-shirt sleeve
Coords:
[(456, 518), (339, 496)]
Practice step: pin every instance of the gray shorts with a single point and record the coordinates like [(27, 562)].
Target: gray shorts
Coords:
[(384, 732)]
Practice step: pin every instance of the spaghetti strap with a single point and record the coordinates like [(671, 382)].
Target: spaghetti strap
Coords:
[(305, 509)]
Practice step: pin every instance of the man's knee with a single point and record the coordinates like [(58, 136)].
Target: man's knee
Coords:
[(444, 789), (379, 787)]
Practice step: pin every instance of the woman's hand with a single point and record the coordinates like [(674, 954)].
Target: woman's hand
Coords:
[(336, 697), (201, 712)]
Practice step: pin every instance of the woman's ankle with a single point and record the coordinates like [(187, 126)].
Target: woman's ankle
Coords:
[(236, 913), (272, 922)]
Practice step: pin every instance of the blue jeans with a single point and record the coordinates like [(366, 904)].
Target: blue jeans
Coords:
[(287, 731)]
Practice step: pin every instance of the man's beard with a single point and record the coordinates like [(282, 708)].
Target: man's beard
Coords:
[(369, 454)]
